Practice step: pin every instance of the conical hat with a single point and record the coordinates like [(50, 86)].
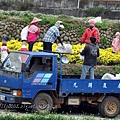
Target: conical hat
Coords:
[(35, 20)]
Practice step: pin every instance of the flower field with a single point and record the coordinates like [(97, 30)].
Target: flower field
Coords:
[(106, 56)]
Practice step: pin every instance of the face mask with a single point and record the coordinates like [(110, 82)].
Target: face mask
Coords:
[(91, 27)]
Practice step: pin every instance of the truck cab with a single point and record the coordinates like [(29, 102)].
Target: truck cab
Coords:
[(23, 75)]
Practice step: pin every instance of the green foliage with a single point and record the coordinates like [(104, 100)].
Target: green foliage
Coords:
[(117, 69), (100, 73), (103, 26), (50, 21), (116, 27), (81, 31), (27, 20), (34, 117), (64, 17), (104, 40), (96, 11), (76, 71), (2, 16), (68, 25)]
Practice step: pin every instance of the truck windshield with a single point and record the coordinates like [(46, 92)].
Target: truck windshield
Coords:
[(14, 62)]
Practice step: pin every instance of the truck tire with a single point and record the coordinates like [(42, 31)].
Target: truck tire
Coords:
[(109, 107), (100, 110), (42, 103)]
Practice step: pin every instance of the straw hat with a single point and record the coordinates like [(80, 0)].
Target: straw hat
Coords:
[(35, 20)]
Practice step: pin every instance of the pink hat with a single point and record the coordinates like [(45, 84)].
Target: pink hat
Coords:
[(35, 20), (117, 33), (92, 21)]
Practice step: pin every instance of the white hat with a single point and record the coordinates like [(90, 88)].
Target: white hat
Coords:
[(59, 24), (117, 33), (35, 20)]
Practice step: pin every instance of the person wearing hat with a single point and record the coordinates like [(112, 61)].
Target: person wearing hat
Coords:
[(89, 32), (24, 46), (52, 36), (90, 53), (4, 49), (116, 43), (33, 32)]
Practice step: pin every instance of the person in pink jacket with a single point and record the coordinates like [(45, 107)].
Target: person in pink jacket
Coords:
[(116, 43), (33, 32), (92, 31)]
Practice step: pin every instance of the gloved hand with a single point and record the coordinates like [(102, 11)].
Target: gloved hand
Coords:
[(63, 46)]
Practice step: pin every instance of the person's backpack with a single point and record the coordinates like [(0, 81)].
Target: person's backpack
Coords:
[(24, 33)]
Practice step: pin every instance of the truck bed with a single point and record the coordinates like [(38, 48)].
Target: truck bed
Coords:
[(71, 86)]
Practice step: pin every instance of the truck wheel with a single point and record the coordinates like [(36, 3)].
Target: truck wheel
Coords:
[(42, 103), (109, 107), (100, 110)]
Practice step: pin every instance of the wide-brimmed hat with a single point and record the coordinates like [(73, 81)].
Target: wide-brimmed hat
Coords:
[(59, 24), (35, 20), (117, 33), (91, 21)]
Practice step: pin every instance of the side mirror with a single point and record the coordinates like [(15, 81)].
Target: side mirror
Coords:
[(23, 67)]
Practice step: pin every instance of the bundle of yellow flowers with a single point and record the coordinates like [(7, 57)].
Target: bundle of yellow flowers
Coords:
[(106, 56)]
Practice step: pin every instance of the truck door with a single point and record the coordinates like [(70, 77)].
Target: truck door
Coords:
[(10, 73), (40, 75)]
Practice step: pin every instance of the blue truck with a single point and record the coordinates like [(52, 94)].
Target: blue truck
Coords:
[(35, 78)]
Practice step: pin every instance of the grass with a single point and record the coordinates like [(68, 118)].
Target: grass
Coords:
[(52, 116)]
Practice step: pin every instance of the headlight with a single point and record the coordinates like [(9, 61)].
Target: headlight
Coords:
[(14, 92), (17, 93)]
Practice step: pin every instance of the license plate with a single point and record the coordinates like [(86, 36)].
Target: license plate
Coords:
[(2, 97)]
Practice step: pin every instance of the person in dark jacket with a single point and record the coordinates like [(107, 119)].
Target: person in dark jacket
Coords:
[(90, 53)]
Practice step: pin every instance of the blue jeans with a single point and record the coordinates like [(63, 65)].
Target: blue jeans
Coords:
[(85, 70)]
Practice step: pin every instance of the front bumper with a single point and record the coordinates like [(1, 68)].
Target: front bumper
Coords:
[(10, 98)]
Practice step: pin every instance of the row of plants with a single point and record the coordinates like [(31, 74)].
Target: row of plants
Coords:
[(106, 56), (76, 69), (68, 21), (34, 117), (43, 116)]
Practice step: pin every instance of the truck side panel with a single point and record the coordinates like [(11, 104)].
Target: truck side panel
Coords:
[(89, 86)]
